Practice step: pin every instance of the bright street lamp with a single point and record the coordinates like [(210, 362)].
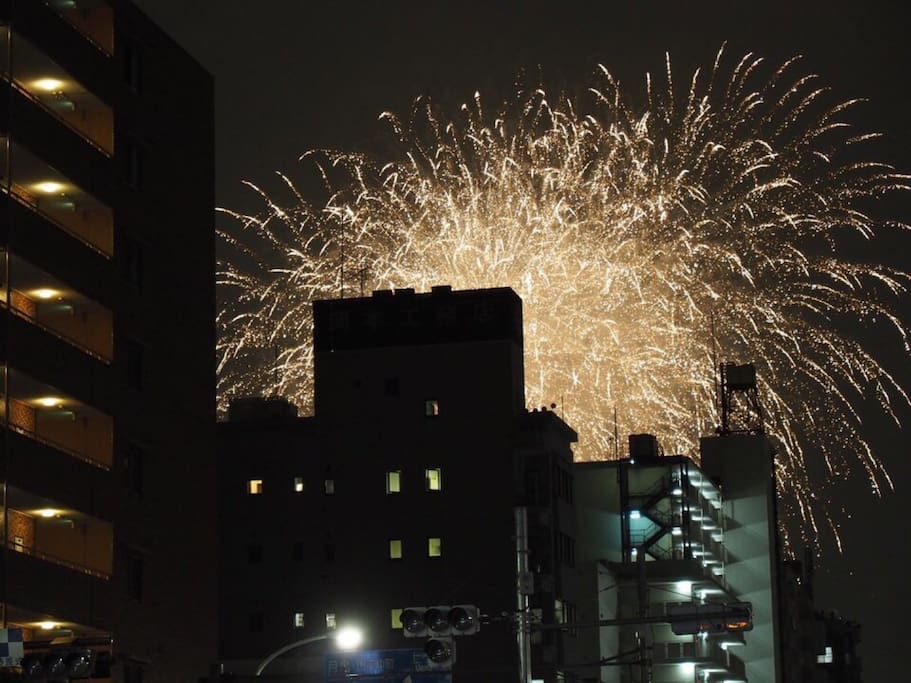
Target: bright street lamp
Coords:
[(347, 638)]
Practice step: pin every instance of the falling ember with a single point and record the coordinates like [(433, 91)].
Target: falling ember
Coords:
[(645, 243)]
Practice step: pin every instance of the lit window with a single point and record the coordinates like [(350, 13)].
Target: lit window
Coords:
[(434, 478), (329, 486), (395, 549), (826, 658), (298, 620), (330, 620), (431, 407), (434, 547), (255, 487), (394, 481), (298, 484), (395, 616)]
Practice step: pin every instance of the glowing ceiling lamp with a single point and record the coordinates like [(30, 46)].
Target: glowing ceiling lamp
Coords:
[(49, 401), (49, 187), (47, 625), (44, 293), (49, 84), (47, 513)]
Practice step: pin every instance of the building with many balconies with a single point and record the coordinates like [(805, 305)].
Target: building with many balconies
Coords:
[(106, 341)]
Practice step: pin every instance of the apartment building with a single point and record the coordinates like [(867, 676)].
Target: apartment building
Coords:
[(106, 341)]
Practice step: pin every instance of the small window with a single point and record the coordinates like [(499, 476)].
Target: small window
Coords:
[(134, 354), (133, 163), (395, 549), (134, 575), (394, 481), (395, 616), (330, 620), (133, 260), (433, 477), (298, 620), (255, 487), (434, 547), (431, 407), (298, 484), (329, 487), (133, 457)]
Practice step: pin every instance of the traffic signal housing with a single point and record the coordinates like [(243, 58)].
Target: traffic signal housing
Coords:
[(440, 620), (59, 664)]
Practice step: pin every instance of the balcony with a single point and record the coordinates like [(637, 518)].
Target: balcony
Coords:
[(698, 657), (94, 19), (42, 412), (55, 307), (41, 626), (46, 83), (50, 194), (52, 532)]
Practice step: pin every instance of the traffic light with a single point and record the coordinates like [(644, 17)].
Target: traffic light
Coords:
[(440, 620), (60, 664), (440, 623)]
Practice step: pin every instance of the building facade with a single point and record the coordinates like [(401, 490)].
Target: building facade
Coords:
[(400, 491), (106, 341), (661, 535)]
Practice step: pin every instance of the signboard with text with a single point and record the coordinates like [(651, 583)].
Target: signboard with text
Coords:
[(386, 666)]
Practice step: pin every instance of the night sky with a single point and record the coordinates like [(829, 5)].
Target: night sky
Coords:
[(295, 75)]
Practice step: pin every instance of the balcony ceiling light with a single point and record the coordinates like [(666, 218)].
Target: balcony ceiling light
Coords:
[(47, 513), (49, 84), (47, 625), (45, 293), (49, 187), (49, 401)]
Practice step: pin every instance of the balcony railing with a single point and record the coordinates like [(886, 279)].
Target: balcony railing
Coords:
[(26, 550), (25, 315), (35, 436)]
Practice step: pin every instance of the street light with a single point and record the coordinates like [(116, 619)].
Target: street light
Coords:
[(347, 638)]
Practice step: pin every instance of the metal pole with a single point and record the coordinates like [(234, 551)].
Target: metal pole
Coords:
[(523, 577)]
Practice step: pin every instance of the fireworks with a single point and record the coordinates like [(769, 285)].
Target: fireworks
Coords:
[(647, 243)]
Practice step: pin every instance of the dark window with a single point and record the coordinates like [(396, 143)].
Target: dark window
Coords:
[(254, 553), (391, 387), (133, 464), (133, 260), (134, 353), (132, 64), (134, 575), (566, 549), (256, 622), (297, 552), (133, 163), (132, 672), (329, 552), (563, 484)]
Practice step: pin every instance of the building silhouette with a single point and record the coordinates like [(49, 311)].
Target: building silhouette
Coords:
[(106, 343), (400, 491)]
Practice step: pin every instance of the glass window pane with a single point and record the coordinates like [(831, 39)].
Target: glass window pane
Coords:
[(434, 547), (394, 481), (255, 487), (434, 479), (395, 549)]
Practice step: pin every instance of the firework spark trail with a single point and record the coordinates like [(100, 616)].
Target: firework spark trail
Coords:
[(625, 232)]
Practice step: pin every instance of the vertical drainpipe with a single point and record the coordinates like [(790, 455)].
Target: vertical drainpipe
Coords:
[(523, 577)]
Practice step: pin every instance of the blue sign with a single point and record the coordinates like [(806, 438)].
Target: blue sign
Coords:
[(386, 666)]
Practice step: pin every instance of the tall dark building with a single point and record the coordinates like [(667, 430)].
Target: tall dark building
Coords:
[(107, 336), (400, 491)]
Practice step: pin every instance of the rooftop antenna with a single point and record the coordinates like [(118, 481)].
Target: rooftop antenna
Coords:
[(362, 278), (341, 279), (616, 436), (715, 366)]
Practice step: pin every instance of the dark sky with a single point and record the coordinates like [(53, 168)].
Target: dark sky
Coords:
[(292, 75)]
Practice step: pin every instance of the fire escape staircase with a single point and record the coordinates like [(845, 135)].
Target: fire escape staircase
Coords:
[(663, 522)]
